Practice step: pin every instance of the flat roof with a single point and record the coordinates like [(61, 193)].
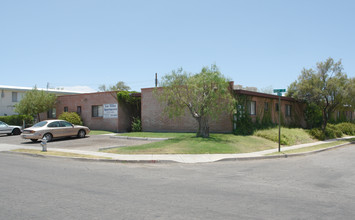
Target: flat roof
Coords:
[(137, 94), (263, 95), (24, 89)]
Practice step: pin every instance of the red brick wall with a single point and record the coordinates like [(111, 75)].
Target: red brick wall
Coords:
[(86, 101), (153, 118), (297, 108)]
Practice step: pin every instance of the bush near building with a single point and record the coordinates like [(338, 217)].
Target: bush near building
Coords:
[(347, 128), (331, 131), (71, 117)]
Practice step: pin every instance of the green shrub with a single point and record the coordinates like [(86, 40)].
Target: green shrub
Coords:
[(331, 132), (71, 117), (17, 119), (347, 128), (136, 125), (317, 133), (313, 116), (272, 135), (244, 126), (289, 136)]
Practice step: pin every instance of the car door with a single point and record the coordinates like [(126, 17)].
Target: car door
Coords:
[(55, 129), (68, 129)]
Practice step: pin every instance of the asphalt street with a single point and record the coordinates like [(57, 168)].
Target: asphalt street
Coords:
[(319, 186)]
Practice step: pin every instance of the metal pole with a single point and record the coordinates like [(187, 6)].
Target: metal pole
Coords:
[(279, 123), (156, 79)]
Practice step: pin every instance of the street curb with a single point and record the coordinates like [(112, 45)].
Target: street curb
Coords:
[(140, 138), (90, 159), (171, 161), (284, 155)]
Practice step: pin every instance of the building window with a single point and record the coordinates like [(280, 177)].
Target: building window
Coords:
[(266, 106), (240, 110), (66, 109), (277, 107), (288, 110), (52, 113), (78, 110), (14, 97), (252, 108), (97, 111)]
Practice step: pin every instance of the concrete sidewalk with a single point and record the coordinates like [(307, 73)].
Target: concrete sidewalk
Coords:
[(180, 158)]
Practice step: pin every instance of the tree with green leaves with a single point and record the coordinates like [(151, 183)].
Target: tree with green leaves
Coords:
[(327, 86), (119, 86), (205, 95), (35, 102)]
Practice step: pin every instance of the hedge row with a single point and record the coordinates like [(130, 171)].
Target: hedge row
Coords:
[(16, 119), (333, 131)]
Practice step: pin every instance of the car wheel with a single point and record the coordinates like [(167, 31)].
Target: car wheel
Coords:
[(16, 131), (81, 134), (48, 137), (34, 140)]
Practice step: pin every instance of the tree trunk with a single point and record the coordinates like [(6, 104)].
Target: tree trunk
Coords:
[(203, 127), (325, 120)]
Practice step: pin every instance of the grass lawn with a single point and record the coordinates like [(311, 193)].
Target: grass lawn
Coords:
[(60, 154), (314, 148), (188, 143), (289, 136), (97, 132), (157, 134)]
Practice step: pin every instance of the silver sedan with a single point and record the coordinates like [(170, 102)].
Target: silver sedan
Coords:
[(50, 129), (9, 129)]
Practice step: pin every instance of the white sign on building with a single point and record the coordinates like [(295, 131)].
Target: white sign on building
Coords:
[(110, 110)]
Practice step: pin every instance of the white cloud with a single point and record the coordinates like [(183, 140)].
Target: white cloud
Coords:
[(83, 89)]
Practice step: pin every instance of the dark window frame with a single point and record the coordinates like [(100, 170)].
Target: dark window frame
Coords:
[(250, 108), (78, 110), (51, 113), (95, 111), (288, 110), (266, 106), (14, 96)]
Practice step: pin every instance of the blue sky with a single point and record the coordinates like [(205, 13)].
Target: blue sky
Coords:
[(73, 43)]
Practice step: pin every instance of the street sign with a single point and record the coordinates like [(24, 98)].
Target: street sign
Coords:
[(279, 90), (279, 93)]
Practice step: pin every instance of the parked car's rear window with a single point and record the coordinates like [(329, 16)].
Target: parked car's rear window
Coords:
[(40, 124)]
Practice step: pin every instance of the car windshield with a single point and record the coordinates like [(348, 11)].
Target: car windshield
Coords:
[(40, 124), (2, 124)]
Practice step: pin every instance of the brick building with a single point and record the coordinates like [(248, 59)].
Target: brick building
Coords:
[(99, 111), (259, 105), (153, 118), (262, 105)]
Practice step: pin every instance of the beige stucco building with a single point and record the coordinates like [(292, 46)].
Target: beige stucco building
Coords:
[(11, 95)]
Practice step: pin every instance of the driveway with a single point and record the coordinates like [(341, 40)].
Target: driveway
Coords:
[(91, 142)]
